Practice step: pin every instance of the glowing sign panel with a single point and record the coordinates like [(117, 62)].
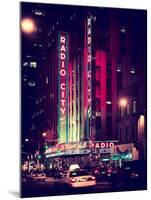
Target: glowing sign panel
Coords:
[(89, 62), (62, 77)]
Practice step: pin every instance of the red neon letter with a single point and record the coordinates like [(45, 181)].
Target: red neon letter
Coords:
[(62, 39), (62, 72)]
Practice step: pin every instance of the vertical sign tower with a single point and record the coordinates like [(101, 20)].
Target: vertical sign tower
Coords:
[(63, 64), (88, 78)]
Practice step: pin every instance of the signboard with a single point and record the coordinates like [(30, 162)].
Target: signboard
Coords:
[(106, 150), (89, 40), (84, 147), (63, 62), (102, 145)]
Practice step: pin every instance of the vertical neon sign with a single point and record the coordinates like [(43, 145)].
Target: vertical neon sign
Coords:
[(89, 70), (89, 63), (62, 85)]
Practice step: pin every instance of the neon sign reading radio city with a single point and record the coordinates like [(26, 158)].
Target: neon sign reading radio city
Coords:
[(89, 61), (63, 62), (63, 74)]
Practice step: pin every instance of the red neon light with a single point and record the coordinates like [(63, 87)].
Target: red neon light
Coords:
[(102, 145), (62, 74)]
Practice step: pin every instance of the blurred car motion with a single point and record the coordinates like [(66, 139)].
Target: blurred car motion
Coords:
[(101, 172), (78, 178), (36, 176)]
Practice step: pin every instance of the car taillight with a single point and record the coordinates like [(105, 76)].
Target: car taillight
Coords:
[(109, 170), (134, 174), (73, 180)]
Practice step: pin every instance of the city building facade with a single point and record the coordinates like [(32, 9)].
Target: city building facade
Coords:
[(83, 78)]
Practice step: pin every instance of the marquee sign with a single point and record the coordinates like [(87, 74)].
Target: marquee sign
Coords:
[(63, 62), (101, 145), (81, 148)]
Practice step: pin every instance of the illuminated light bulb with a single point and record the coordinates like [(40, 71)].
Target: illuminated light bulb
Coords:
[(123, 102), (28, 25), (44, 134)]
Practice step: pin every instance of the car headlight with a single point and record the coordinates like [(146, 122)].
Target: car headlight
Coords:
[(93, 178)]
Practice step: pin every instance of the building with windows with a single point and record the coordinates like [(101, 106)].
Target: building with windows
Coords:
[(84, 76), (105, 69), (35, 80), (132, 89)]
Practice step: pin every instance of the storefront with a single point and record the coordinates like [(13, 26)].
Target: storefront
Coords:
[(86, 154), (124, 153)]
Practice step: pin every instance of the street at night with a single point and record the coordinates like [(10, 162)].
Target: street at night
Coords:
[(55, 187)]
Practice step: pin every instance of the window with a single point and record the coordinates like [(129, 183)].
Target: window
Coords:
[(108, 83), (120, 135), (119, 68), (31, 83), (98, 123), (108, 106), (98, 105), (121, 111), (98, 73), (134, 106), (79, 173), (47, 80), (134, 133), (98, 91), (109, 71), (128, 109), (126, 133), (123, 29), (109, 126), (119, 80), (25, 64), (33, 64), (132, 69)]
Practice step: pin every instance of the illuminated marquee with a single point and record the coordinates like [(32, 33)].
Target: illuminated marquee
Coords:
[(62, 85), (84, 147), (101, 145)]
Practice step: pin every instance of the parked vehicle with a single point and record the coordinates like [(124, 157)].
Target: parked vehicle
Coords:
[(36, 176), (58, 174), (133, 170)]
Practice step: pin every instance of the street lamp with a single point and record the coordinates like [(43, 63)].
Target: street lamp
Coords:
[(123, 102), (141, 125), (44, 134), (28, 25)]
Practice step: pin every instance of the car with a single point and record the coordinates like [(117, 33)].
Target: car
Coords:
[(37, 175), (101, 172), (79, 178), (132, 170), (58, 174)]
